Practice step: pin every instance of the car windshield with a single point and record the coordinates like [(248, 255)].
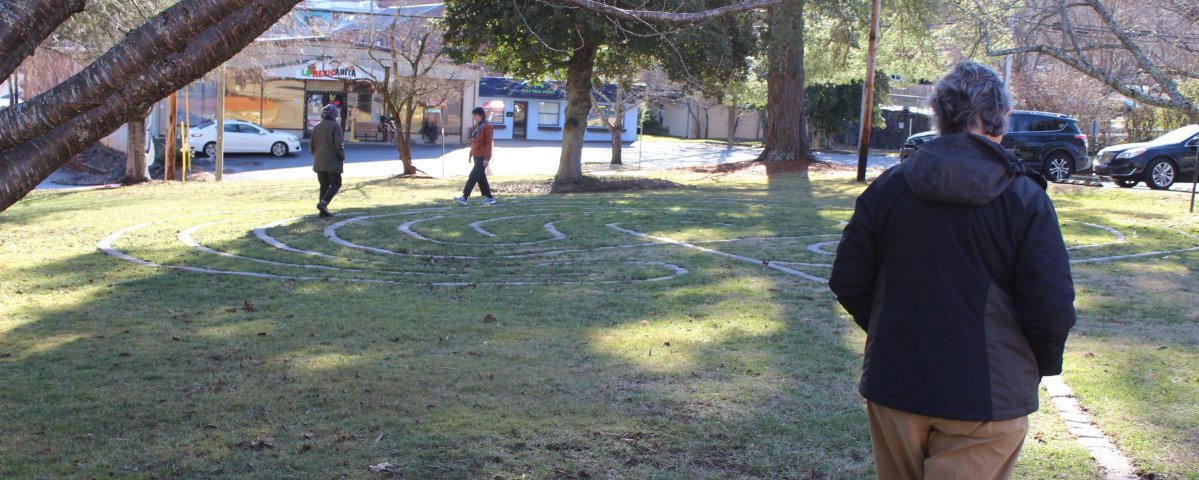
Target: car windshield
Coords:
[(1178, 136)]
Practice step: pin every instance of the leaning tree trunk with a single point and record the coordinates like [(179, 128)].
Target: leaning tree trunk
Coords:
[(578, 105), (25, 23), (785, 121), (135, 158), (165, 34), (27, 164)]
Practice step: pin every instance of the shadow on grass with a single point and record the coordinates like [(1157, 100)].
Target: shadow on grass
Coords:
[(731, 371)]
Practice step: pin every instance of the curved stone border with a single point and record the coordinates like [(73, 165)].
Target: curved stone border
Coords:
[(774, 265), (106, 245), (1115, 465)]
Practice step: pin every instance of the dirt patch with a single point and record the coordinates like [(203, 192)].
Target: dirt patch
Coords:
[(752, 168), (97, 165), (587, 185)]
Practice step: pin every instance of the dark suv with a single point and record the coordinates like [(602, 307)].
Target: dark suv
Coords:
[(1048, 142)]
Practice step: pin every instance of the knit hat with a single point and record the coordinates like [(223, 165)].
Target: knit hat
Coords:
[(329, 112)]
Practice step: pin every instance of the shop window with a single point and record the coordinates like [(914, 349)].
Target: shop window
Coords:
[(596, 120), (283, 104), (494, 110), (243, 99), (548, 114)]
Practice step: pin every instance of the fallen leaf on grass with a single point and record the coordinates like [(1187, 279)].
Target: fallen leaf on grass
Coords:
[(246, 307), (5, 355), (489, 318), (262, 334), (254, 444), (382, 468)]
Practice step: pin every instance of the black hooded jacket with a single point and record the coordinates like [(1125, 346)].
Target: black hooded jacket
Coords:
[(954, 265)]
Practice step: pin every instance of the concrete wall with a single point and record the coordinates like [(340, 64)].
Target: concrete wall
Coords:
[(707, 118)]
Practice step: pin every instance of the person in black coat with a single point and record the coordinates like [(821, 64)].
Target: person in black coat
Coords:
[(328, 157), (954, 265)]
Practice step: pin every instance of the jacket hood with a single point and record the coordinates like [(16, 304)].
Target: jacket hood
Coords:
[(962, 168)]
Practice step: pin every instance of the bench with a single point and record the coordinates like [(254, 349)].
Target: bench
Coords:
[(370, 131)]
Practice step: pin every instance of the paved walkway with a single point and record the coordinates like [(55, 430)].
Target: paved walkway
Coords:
[(512, 158)]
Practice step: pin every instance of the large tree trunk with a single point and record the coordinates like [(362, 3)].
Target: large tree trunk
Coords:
[(578, 105), (785, 122), (404, 137), (732, 124), (24, 166), (162, 35), (135, 156), (617, 147), (25, 23)]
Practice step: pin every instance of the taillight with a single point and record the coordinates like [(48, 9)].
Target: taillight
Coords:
[(1083, 138)]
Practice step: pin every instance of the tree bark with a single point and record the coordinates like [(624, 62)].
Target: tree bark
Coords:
[(166, 33), (617, 146), (404, 136), (24, 166), (732, 123), (785, 120), (135, 157), (578, 105), (24, 24)]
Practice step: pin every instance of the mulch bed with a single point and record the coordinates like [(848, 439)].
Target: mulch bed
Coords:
[(752, 168), (587, 185), (97, 165)]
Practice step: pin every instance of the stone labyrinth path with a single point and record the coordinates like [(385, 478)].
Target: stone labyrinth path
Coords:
[(540, 242), (562, 242)]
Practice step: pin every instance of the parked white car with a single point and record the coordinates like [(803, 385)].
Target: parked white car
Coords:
[(242, 137)]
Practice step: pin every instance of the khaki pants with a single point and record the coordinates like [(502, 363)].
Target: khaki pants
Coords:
[(908, 446)]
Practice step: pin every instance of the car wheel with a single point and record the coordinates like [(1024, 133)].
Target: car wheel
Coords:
[(279, 149), (1127, 182), (210, 149), (1160, 174), (1058, 167)]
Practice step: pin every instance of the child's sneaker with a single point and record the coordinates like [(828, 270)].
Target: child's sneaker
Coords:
[(461, 200), (488, 201)]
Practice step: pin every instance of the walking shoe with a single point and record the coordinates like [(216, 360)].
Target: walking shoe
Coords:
[(488, 201), (324, 209), (461, 200)]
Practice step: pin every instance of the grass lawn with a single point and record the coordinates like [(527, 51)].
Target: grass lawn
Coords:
[(549, 337)]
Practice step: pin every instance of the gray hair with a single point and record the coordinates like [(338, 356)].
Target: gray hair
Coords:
[(971, 95)]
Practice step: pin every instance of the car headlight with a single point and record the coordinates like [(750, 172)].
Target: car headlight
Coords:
[(1136, 152)]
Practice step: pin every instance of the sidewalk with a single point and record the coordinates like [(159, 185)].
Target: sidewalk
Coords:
[(511, 158)]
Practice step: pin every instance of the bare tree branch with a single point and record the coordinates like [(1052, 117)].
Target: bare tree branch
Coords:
[(671, 17)]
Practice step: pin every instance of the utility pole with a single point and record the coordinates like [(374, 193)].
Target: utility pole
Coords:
[(220, 124), (868, 91), (168, 171)]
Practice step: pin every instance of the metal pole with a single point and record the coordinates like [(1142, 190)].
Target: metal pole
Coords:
[(220, 124), (443, 148), (640, 139), (868, 91)]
